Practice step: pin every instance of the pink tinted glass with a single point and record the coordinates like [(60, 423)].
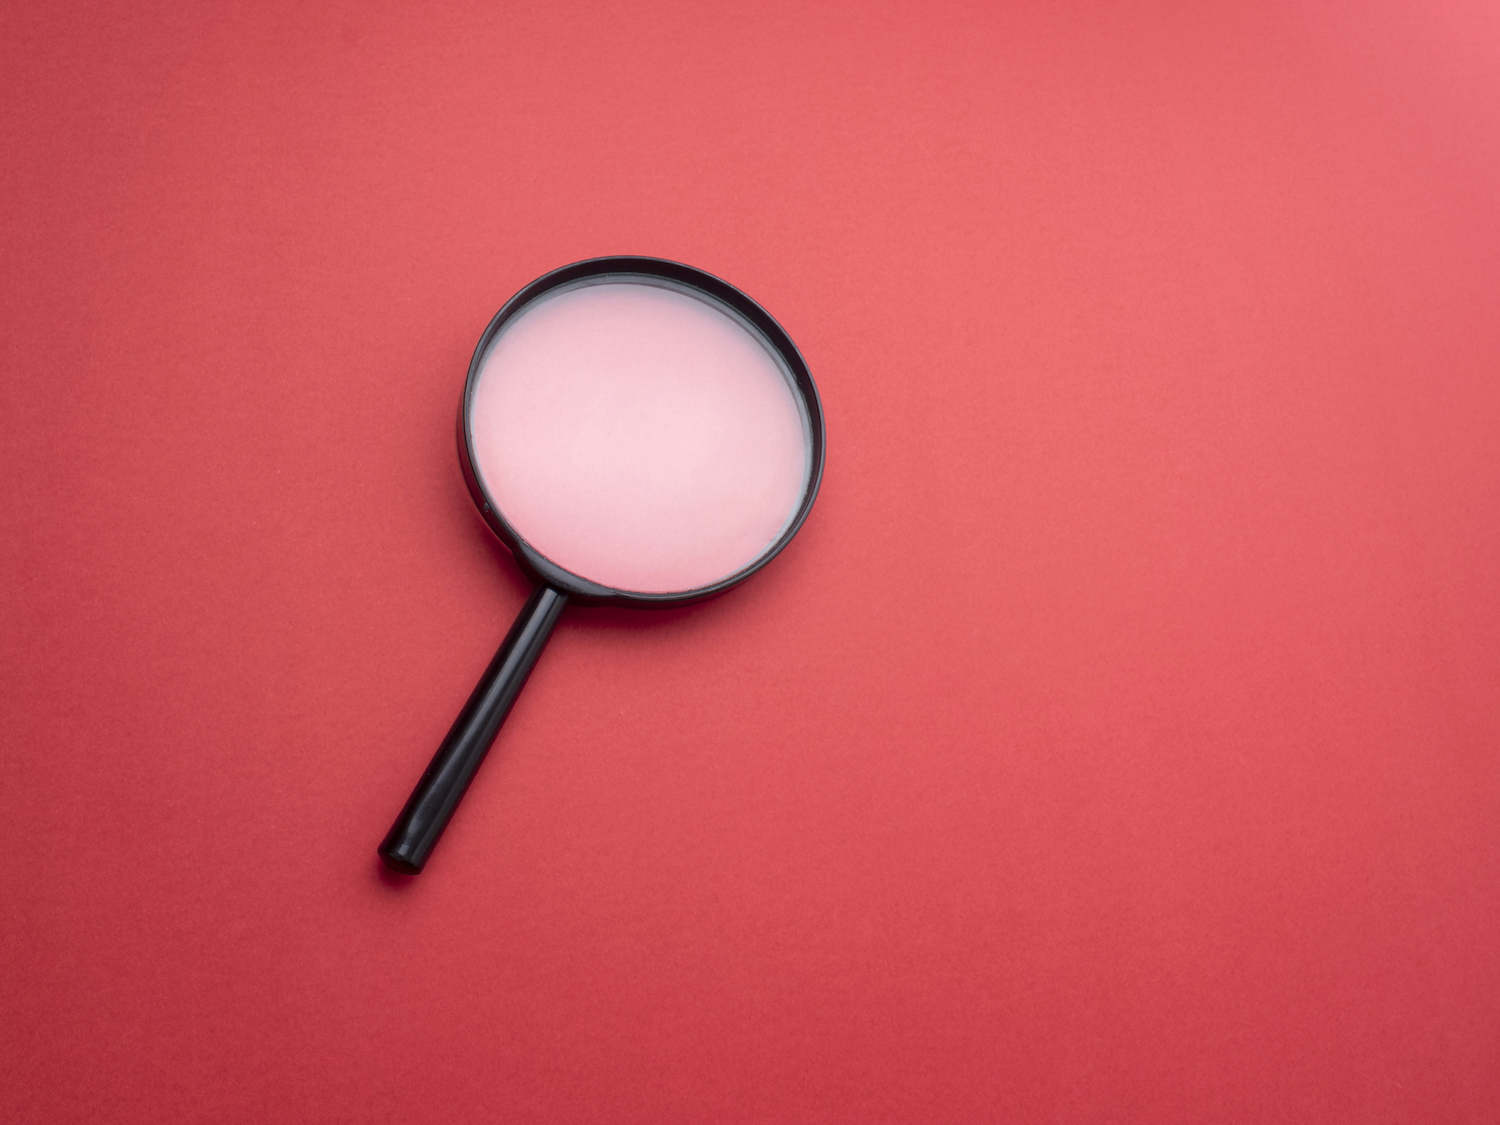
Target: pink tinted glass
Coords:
[(639, 435)]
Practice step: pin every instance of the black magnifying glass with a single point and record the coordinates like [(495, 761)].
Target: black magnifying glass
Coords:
[(638, 433)]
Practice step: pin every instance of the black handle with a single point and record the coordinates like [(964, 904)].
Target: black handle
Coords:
[(411, 838)]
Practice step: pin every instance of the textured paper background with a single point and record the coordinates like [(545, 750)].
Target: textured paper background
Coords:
[(1119, 740)]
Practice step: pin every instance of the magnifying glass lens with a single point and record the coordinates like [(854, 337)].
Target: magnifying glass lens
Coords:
[(640, 435)]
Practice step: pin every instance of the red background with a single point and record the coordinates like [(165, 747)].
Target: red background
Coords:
[(1118, 741)]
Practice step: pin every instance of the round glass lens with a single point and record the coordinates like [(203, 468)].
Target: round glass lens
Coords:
[(639, 434)]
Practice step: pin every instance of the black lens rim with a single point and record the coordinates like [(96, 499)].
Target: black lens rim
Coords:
[(538, 567)]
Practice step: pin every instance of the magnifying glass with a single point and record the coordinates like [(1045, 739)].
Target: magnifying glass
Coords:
[(638, 433)]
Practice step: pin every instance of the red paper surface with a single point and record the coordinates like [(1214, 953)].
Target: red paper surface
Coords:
[(1118, 741)]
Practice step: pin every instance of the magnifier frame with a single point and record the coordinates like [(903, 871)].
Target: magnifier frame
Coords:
[(543, 570)]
